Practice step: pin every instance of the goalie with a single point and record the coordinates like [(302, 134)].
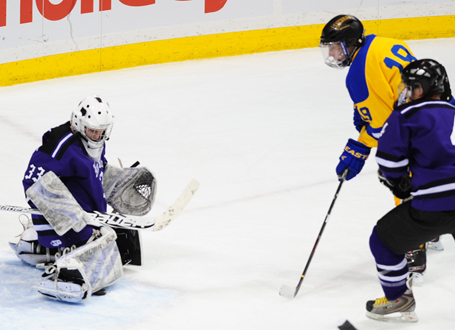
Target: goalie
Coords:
[(67, 176)]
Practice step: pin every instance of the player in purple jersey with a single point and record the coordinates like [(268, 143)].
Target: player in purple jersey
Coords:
[(76, 156), (67, 177), (418, 138)]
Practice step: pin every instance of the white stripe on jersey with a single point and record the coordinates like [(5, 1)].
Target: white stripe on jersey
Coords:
[(391, 164), (60, 144), (434, 190), (419, 105)]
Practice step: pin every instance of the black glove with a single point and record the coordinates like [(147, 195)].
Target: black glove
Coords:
[(402, 189)]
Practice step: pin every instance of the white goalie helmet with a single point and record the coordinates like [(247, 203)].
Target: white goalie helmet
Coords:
[(93, 122)]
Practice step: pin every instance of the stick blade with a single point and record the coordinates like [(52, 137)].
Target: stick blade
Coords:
[(288, 292)]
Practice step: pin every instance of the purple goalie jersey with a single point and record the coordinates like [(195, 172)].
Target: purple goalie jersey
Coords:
[(63, 153), (419, 137)]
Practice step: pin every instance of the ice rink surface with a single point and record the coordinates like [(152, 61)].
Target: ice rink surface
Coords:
[(262, 133)]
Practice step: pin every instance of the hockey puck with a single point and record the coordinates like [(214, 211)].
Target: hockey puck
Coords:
[(345, 325)]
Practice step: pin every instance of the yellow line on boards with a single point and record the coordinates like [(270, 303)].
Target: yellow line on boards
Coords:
[(209, 46)]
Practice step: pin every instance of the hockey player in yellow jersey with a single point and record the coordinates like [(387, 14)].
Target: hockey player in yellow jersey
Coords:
[(372, 81), (375, 64)]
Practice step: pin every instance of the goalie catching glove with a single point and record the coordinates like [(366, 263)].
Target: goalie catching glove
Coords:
[(129, 190)]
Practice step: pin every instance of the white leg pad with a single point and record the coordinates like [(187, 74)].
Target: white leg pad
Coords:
[(98, 263)]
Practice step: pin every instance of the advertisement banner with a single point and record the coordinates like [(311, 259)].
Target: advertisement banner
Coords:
[(42, 39), (58, 26)]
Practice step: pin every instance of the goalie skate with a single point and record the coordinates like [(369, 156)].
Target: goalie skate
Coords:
[(80, 272), (58, 287)]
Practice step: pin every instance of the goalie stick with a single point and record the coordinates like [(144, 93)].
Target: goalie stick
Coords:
[(127, 221), (289, 292)]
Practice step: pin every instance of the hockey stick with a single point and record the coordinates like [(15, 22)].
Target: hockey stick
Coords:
[(289, 292), (127, 221)]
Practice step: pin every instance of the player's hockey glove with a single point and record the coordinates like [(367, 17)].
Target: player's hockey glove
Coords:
[(353, 158), (401, 189)]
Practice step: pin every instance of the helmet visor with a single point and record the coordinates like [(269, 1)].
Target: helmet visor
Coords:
[(404, 94), (335, 54), (408, 92)]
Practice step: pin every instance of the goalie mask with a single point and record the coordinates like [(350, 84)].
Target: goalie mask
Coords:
[(92, 121)]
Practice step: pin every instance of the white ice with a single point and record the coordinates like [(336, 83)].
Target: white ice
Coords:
[(262, 133)]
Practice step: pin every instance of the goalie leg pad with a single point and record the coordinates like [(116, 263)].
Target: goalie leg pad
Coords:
[(57, 204), (130, 190), (88, 268)]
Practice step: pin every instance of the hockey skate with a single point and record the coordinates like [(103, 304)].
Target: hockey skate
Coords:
[(435, 244), (417, 263), (64, 285), (398, 310)]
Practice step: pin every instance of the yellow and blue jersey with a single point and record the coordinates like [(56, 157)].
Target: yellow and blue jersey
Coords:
[(372, 82)]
